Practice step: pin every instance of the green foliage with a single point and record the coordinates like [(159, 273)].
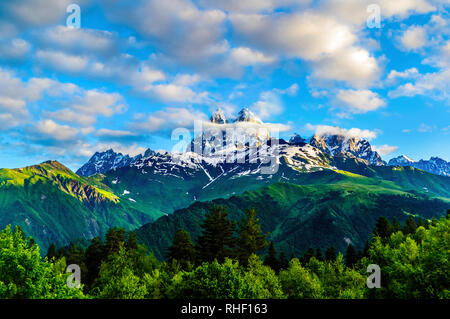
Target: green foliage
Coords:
[(182, 249), (414, 265), (24, 275), (117, 279), (298, 282), (251, 238), (214, 280), (262, 280), (217, 240)]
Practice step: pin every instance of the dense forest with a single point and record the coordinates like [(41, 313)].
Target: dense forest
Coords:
[(232, 260)]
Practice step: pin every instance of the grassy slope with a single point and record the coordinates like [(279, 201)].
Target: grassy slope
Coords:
[(330, 208), (53, 204)]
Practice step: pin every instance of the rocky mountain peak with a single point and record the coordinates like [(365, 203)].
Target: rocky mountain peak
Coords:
[(245, 115), (218, 117)]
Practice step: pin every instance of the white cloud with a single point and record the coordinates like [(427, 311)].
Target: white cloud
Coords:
[(359, 101), (323, 130), (407, 74), (14, 49), (249, 6), (50, 129), (327, 43), (61, 61), (269, 105), (83, 40), (176, 27), (385, 149), (435, 85), (415, 37), (113, 133), (246, 56), (170, 118)]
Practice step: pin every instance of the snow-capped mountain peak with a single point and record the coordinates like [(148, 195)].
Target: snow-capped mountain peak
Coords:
[(218, 117), (245, 115), (434, 165), (344, 146), (401, 160)]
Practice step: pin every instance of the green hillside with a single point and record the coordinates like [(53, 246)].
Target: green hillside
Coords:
[(53, 204), (299, 217)]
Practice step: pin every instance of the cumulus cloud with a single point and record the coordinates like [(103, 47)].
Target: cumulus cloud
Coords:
[(194, 34), (359, 101), (14, 49), (78, 41), (246, 56), (328, 44), (407, 74), (168, 119), (415, 37), (61, 61), (270, 103), (385, 149), (323, 130), (20, 15), (435, 85), (48, 129)]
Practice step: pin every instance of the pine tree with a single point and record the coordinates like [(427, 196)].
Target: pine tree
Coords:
[(283, 262), (115, 239), (217, 240), (271, 258), (94, 255), (395, 225), (351, 257), (383, 228), (308, 255), (51, 252), (410, 226), (319, 254), (182, 249), (330, 254), (251, 239), (132, 243)]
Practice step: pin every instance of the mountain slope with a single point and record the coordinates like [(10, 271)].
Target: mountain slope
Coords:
[(299, 217), (52, 204)]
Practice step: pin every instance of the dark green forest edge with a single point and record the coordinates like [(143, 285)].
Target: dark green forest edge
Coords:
[(225, 262)]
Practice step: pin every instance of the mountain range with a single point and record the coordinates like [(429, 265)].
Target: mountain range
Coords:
[(335, 184)]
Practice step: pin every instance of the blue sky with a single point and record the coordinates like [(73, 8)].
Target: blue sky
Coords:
[(136, 70)]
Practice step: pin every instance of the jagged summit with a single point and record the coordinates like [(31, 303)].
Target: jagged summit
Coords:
[(344, 146), (434, 165), (245, 115), (296, 139), (218, 117), (401, 161)]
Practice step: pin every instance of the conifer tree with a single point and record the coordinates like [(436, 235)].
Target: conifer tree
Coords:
[(283, 262), (115, 238), (132, 243), (51, 252), (383, 228), (351, 256), (330, 254), (94, 255), (410, 226), (271, 258), (308, 255), (319, 256), (217, 239), (251, 239), (182, 249), (395, 225)]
